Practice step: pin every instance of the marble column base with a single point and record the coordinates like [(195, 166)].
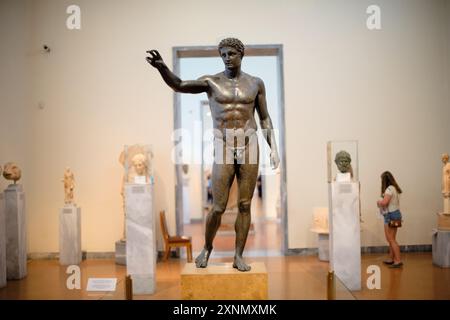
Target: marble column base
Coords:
[(2, 242), (121, 252), (141, 241), (441, 249), (16, 237), (345, 233), (220, 281), (324, 246), (70, 235)]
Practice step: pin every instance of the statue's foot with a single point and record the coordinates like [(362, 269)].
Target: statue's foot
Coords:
[(202, 260), (240, 264)]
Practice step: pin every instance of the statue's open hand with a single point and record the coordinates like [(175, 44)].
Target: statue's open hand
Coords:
[(155, 59), (274, 160)]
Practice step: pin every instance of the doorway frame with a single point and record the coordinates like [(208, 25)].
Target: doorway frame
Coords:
[(250, 50)]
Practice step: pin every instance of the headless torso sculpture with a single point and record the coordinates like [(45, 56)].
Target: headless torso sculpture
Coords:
[(233, 98)]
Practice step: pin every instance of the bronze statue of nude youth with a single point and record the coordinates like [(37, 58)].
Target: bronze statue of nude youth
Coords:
[(233, 98)]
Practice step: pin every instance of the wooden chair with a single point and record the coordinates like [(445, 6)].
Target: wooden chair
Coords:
[(174, 241)]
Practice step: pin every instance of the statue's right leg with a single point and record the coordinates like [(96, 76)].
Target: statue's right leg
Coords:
[(222, 178)]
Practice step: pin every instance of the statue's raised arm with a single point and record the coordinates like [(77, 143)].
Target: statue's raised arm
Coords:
[(178, 85)]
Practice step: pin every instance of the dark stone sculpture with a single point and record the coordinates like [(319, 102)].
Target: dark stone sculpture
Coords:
[(233, 98)]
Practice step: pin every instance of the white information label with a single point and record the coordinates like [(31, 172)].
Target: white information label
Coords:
[(101, 284)]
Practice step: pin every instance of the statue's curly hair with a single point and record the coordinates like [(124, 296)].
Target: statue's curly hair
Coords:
[(233, 43), (342, 154)]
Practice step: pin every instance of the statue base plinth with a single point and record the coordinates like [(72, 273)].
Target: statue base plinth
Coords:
[(16, 232), (70, 235), (324, 246), (141, 253), (345, 233), (2, 242), (121, 252), (220, 281), (441, 248), (444, 221)]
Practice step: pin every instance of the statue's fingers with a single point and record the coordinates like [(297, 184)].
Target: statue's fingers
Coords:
[(157, 54)]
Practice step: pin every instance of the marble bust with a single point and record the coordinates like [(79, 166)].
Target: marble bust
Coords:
[(140, 169), (136, 161), (11, 171), (69, 185)]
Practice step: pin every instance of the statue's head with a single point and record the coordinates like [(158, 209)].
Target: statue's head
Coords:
[(445, 158), (139, 162), (231, 51), (232, 43), (343, 161), (11, 171)]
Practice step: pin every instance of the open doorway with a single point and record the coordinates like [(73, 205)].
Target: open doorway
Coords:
[(268, 233)]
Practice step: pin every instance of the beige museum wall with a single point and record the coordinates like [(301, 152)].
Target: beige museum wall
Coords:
[(14, 83), (388, 89)]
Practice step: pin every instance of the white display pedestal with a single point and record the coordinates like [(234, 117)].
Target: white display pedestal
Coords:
[(323, 245), (70, 235), (141, 240), (2, 242), (121, 252), (441, 248), (345, 245), (16, 239)]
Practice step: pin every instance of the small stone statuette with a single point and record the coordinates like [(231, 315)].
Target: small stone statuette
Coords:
[(69, 185)]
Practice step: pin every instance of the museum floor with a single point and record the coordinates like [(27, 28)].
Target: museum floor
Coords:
[(292, 277)]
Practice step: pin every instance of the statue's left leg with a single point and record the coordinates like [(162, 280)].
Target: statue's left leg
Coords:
[(246, 174)]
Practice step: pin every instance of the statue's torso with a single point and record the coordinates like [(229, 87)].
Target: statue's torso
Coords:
[(232, 101)]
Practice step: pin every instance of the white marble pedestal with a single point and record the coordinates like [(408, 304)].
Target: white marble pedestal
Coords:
[(16, 228), (141, 241), (345, 244), (323, 245), (70, 235), (2, 242), (121, 252), (441, 248)]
